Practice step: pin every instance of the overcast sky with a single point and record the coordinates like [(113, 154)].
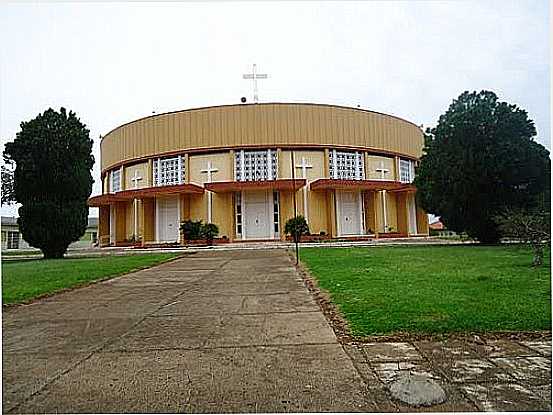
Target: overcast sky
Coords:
[(112, 63)]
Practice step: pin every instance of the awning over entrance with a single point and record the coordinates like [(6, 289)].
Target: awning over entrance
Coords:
[(104, 200), (148, 192), (337, 184), (281, 184)]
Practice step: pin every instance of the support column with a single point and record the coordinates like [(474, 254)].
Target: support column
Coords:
[(402, 213)]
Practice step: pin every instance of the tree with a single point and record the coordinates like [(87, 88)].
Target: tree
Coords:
[(296, 227), (7, 185), (532, 227), (52, 180), (480, 159)]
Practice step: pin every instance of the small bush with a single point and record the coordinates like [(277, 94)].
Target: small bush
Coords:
[(209, 231), (191, 229), (296, 227)]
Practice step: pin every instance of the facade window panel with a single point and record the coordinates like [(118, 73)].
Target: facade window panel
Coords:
[(169, 171), (255, 165), (406, 171), (115, 181), (238, 212), (346, 165)]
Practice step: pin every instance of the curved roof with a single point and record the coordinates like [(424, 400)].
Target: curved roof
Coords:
[(266, 124)]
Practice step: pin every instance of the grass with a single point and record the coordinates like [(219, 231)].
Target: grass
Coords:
[(426, 289), (25, 280)]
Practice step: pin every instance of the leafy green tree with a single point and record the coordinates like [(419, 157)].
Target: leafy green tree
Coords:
[(296, 227), (480, 159), (7, 185), (52, 179)]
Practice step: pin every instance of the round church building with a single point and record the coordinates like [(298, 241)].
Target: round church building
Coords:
[(247, 167)]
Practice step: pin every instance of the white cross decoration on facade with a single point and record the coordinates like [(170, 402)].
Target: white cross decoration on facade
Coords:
[(255, 76), (135, 179), (383, 171), (209, 170), (304, 166)]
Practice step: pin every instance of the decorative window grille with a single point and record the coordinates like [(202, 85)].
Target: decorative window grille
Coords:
[(169, 171), (238, 208), (346, 165), (406, 171), (275, 213), (115, 181), (256, 165)]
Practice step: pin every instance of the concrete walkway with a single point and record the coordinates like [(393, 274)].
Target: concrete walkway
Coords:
[(224, 331)]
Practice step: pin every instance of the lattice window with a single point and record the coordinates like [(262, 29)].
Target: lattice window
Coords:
[(256, 165), (346, 165), (115, 181), (406, 171), (169, 171), (275, 213)]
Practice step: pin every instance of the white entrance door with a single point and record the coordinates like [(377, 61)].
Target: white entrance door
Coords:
[(112, 224), (411, 207), (257, 215), (350, 211), (167, 213)]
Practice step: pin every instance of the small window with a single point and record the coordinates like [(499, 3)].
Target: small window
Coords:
[(13, 240), (406, 171), (115, 182), (238, 212), (275, 213)]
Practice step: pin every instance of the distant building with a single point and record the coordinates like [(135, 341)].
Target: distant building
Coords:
[(12, 239)]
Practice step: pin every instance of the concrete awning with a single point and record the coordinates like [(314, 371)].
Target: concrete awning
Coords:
[(148, 192), (281, 184), (337, 184)]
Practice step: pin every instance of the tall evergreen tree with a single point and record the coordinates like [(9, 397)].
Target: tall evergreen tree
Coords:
[(52, 180), (480, 159)]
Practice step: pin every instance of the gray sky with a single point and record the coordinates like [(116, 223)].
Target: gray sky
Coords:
[(112, 63)]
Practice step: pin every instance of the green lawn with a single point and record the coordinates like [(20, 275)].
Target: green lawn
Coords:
[(24, 280), (434, 289)]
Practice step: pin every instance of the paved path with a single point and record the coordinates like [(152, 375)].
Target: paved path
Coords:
[(228, 331), (237, 331)]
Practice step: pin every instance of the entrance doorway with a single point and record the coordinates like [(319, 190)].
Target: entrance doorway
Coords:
[(168, 218), (349, 209)]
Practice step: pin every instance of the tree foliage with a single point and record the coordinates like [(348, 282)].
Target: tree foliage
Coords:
[(479, 159), (296, 227), (7, 185), (196, 229), (52, 179)]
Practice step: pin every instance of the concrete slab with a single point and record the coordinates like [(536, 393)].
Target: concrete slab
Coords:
[(390, 352), (260, 379), (510, 397), (534, 370), (542, 347)]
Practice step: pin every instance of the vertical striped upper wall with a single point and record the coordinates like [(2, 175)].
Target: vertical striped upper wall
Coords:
[(263, 125)]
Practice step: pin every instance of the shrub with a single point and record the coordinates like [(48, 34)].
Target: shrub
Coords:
[(191, 229), (209, 231), (296, 227)]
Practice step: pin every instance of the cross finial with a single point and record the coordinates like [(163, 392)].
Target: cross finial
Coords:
[(254, 76)]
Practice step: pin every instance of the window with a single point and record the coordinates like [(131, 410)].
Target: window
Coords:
[(169, 171), (115, 181), (13, 240), (255, 165), (406, 171), (275, 213), (346, 165), (238, 207)]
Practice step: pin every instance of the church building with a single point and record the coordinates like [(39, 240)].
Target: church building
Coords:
[(238, 166)]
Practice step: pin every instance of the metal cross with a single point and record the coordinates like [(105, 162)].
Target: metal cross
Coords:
[(304, 166), (254, 76), (209, 169)]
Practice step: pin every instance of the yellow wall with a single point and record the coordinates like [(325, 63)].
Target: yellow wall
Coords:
[(220, 161), (149, 220), (268, 125), (222, 214), (142, 169), (373, 162)]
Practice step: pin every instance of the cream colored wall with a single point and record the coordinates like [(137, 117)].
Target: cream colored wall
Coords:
[(220, 161), (222, 214), (373, 162), (315, 158), (142, 169), (268, 125)]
